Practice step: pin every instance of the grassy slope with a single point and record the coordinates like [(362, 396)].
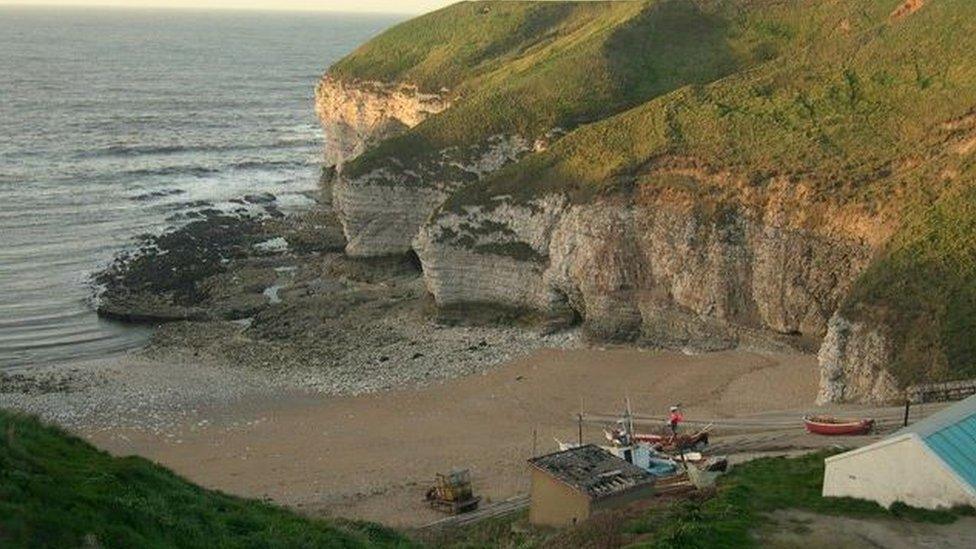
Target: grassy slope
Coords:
[(924, 290), (856, 114), (58, 491), (527, 67), (851, 94), (727, 519), (832, 94)]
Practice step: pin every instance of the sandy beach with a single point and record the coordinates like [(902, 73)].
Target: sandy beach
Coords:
[(371, 456)]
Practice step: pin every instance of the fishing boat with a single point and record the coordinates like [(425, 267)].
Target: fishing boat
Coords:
[(624, 434), (674, 443), (829, 425)]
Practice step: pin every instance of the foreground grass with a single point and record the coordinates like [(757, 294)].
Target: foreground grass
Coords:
[(728, 518), (58, 491)]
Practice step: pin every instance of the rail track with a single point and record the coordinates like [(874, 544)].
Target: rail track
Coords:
[(502, 508)]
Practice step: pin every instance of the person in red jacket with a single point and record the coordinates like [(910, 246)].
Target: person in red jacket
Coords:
[(674, 418)]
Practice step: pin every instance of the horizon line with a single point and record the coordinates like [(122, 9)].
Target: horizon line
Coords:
[(200, 8)]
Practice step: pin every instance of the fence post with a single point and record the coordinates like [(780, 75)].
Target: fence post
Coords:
[(580, 429), (908, 404)]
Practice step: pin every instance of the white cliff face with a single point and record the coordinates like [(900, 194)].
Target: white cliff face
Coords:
[(379, 218), (661, 275), (382, 211), (653, 270), (853, 364), (356, 115), (491, 256)]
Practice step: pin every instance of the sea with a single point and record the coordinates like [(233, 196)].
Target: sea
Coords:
[(115, 123)]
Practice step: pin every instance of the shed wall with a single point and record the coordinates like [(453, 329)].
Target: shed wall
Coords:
[(622, 499), (554, 503), (903, 470)]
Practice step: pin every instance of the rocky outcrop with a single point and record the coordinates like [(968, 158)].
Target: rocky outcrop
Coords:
[(853, 361), (356, 115), (658, 273), (494, 256), (382, 211)]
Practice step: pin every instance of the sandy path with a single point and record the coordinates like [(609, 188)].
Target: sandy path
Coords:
[(800, 529), (371, 456)]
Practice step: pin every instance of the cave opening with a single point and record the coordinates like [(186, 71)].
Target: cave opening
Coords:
[(565, 315), (414, 261)]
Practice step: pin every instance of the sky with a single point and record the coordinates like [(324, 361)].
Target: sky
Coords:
[(380, 6)]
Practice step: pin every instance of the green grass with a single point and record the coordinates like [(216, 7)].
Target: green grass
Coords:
[(527, 67), (836, 109), (508, 532), (444, 48), (58, 491), (923, 289)]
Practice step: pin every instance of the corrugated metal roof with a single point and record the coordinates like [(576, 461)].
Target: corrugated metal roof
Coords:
[(593, 471), (951, 435), (956, 445)]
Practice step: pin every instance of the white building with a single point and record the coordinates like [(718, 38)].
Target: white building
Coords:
[(930, 464)]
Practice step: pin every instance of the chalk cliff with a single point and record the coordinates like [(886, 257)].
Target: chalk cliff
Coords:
[(854, 359), (651, 269), (355, 115), (382, 210), (709, 190)]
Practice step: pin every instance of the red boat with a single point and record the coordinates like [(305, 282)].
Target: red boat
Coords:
[(828, 425)]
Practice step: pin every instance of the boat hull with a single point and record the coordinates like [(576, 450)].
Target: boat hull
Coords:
[(670, 443), (835, 427)]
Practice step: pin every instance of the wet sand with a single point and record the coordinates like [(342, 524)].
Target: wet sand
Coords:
[(372, 456)]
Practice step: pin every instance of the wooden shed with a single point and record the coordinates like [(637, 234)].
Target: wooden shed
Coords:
[(570, 486)]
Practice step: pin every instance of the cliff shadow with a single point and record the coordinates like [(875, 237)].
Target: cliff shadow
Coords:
[(671, 44)]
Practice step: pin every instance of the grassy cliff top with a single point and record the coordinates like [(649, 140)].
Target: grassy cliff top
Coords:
[(58, 491), (854, 102), (838, 93), (444, 49), (528, 67)]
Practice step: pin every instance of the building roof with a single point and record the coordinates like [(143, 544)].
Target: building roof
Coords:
[(593, 471), (951, 435)]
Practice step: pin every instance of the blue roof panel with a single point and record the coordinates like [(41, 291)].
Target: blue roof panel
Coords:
[(955, 444)]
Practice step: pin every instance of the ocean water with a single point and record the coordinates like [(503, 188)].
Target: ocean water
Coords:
[(115, 123)]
